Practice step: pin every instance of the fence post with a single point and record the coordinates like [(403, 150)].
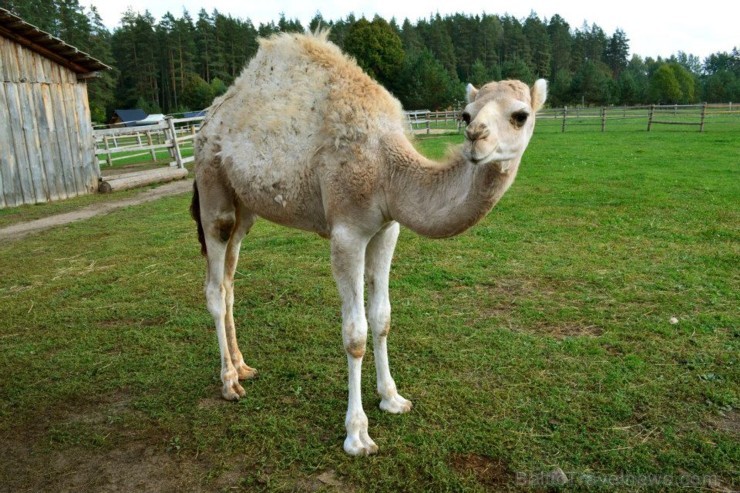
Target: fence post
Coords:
[(565, 115), (603, 118), (429, 118), (650, 116), (151, 143), (175, 145), (108, 157), (703, 115)]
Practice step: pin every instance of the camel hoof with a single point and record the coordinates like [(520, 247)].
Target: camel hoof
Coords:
[(232, 391), (245, 372), (396, 405), (360, 445)]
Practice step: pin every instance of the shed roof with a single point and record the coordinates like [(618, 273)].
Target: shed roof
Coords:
[(130, 116), (33, 38), (151, 119)]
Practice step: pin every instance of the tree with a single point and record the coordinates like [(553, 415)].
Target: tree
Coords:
[(134, 47), (515, 45), (593, 84), (721, 82), (196, 93), (516, 68), (101, 89), (616, 52), (539, 43), (424, 83), (377, 49), (218, 87), (410, 37), (561, 41), (664, 87), (686, 83), (479, 75), (689, 62), (559, 92), (438, 40), (205, 45)]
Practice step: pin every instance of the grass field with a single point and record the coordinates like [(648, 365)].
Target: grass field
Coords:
[(539, 340)]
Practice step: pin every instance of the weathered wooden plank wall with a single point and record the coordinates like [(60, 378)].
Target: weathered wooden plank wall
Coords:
[(47, 149)]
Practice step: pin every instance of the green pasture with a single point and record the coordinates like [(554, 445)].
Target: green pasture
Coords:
[(589, 324)]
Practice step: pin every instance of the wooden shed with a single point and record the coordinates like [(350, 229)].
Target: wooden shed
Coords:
[(46, 142)]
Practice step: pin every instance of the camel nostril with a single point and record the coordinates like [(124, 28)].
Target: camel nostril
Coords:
[(477, 132), (466, 117)]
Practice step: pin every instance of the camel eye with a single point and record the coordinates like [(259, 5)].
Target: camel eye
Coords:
[(519, 118), (466, 117)]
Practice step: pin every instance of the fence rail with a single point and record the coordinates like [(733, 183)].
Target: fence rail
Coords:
[(698, 115), (176, 134), (171, 134)]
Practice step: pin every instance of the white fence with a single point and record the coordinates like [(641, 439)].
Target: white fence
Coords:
[(177, 134), (172, 134), (425, 121)]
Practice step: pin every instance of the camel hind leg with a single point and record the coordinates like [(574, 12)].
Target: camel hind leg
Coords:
[(223, 222), (244, 221)]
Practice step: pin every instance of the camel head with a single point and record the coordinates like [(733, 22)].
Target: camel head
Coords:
[(500, 119)]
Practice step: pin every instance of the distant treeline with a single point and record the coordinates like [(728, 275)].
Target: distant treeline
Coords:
[(181, 63)]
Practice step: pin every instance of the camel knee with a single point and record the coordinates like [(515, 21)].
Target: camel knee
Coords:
[(380, 321), (355, 339), (356, 347), (382, 330)]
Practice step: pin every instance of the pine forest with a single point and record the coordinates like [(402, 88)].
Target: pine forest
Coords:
[(181, 62)]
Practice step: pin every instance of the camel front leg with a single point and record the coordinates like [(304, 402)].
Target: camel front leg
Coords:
[(217, 304), (377, 269), (348, 263)]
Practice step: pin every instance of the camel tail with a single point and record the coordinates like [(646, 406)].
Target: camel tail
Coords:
[(195, 212)]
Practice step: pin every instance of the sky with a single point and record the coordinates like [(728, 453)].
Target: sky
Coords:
[(653, 28)]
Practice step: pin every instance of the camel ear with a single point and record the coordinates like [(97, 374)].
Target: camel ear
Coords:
[(470, 93), (539, 94)]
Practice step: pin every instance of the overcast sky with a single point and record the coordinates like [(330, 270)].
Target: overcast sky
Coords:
[(653, 28)]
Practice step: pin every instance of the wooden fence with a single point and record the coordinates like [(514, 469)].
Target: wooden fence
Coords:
[(603, 118), (112, 144), (425, 121), (174, 134), (609, 117)]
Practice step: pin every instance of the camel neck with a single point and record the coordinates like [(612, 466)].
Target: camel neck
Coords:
[(439, 200)]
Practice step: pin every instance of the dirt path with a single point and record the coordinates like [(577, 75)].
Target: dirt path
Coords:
[(20, 230)]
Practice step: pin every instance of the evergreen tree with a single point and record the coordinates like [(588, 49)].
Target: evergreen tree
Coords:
[(516, 68), (593, 84), (377, 49), (539, 43), (101, 89), (424, 83), (616, 52), (561, 42), (515, 45), (438, 40), (410, 37), (205, 46), (559, 92), (490, 35)]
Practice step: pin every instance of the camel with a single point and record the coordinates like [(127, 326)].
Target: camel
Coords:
[(304, 138)]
